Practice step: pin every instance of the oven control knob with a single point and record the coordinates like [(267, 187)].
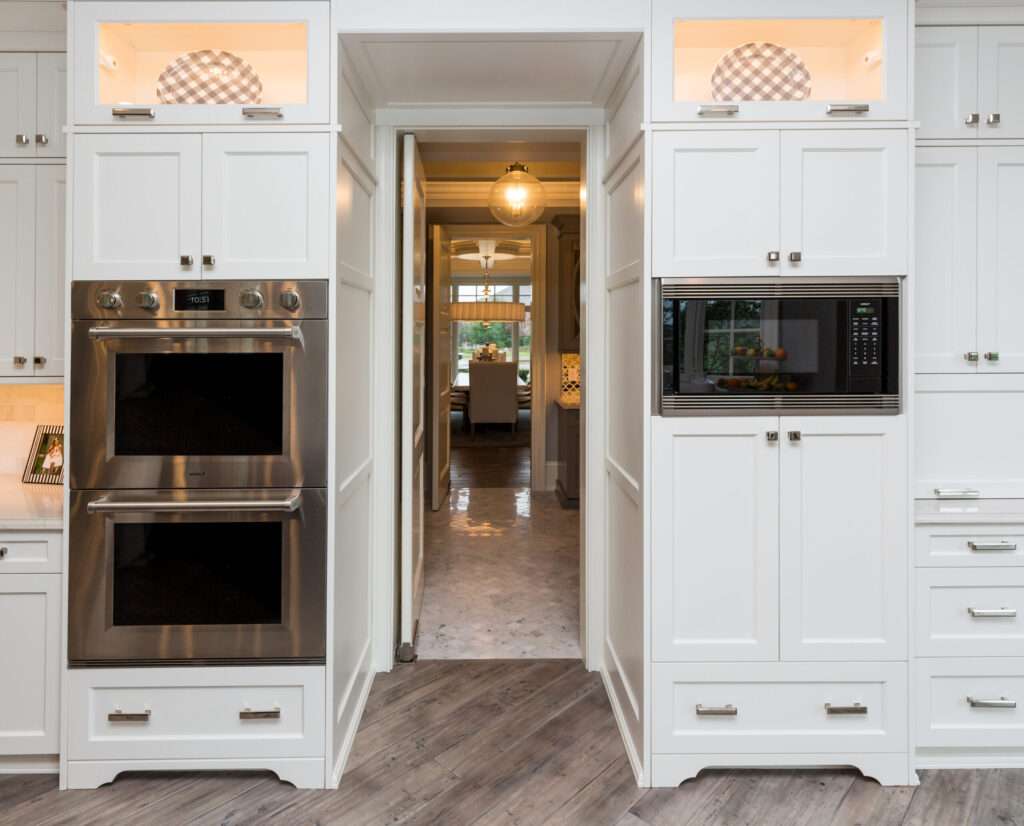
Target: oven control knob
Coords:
[(148, 300), (251, 299), (290, 300), (109, 300)]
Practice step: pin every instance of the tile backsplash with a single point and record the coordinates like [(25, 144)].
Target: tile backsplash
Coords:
[(22, 407)]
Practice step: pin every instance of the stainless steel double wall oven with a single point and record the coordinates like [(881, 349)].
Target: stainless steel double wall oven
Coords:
[(198, 472)]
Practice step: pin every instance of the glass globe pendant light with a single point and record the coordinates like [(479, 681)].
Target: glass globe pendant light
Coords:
[(517, 197)]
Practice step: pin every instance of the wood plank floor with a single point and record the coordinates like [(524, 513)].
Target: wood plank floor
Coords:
[(511, 742)]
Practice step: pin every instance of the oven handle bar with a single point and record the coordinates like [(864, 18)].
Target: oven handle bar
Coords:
[(286, 333), (289, 505)]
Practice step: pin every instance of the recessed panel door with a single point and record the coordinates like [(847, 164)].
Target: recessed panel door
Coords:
[(50, 314), (51, 106), (843, 538), (17, 105), (715, 539), (17, 268), (1001, 92), (946, 77)]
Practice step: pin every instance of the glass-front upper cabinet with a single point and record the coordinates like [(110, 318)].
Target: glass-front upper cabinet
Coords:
[(791, 60), (216, 62)]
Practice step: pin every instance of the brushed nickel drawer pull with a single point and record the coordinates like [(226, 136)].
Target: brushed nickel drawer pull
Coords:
[(133, 112), (119, 716), (856, 708), (717, 711), (290, 505), (270, 714), (1002, 702), (958, 493), (717, 109), (988, 547), (847, 109), (272, 112), (21, 140), (992, 613)]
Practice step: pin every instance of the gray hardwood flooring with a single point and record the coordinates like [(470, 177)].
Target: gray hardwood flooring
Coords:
[(511, 742)]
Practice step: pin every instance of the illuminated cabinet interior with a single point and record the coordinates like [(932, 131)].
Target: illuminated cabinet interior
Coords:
[(202, 63)]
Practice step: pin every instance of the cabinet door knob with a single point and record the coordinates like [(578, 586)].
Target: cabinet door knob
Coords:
[(971, 356), (796, 257), (795, 436), (209, 261), (20, 361), (186, 260), (973, 119), (772, 435), (41, 139), (774, 257), (21, 140), (992, 356), (995, 119), (3, 552), (39, 361)]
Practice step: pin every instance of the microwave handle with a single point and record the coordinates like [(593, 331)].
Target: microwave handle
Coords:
[(286, 333), (289, 505)]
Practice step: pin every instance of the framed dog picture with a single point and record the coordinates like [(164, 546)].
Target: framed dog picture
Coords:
[(46, 461)]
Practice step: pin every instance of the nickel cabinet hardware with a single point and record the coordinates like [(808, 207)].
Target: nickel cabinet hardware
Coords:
[(1001, 702), (958, 493), (717, 711), (774, 256), (41, 139), (991, 547), (262, 112), (992, 613), (847, 109), (795, 436), (835, 711), (186, 260), (796, 257), (39, 361), (972, 357), (144, 112), (289, 505), (992, 356), (21, 140), (994, 119), (772, 435), (269, 714), (3, 551), (723, 109), (20, 361), (973, 119), (119, 716), (209, 261)]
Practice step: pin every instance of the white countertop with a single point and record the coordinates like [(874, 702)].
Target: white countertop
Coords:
[(945, 511), (30, 507)]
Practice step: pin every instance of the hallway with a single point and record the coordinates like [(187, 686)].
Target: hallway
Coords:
[(502, 565)]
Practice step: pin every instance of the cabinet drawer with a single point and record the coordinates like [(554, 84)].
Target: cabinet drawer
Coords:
[(30, 552), (779, 707), (970, 613), (946, 715), (969, 545), (181, 713)]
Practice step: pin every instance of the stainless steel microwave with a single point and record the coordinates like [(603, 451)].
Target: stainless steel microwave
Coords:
[(760, 345)]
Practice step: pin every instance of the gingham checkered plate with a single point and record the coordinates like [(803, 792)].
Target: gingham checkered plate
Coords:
[(760, 71), (209, 76)]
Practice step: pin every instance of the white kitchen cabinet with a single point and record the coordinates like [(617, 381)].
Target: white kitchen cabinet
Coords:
[(251, 205), (30, 652), (213, 62), (969, 437), (815, 202), (966, 544), (17, 105), (17, 268), (946, 82), (715, 540), (1000, 264), (1000, 91), (33, 105), (137, 202), (716, 203), (266, 205), (845, 202), (946, 295), (843, 538), (832, 59), (50, 315)]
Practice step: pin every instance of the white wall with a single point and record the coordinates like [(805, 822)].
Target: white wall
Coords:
[(626, 412)]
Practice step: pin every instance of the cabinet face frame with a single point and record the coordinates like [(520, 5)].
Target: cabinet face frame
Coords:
[(893, 13), (88, 16)]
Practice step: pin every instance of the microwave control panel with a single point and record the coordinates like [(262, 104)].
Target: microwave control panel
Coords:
[(866, 346)]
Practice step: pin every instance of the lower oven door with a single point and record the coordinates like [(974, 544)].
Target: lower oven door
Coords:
[(195, 577)]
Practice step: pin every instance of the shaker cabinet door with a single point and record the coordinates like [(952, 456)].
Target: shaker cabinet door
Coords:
[(946, 272), (843, 538), (137, 204), (845, 202), (17, 268), (50, 314), (716, 203), (51, 105), (715, 539), (1001, 92), (266, 203), (17, 105), (1000, 264), (946, 98)]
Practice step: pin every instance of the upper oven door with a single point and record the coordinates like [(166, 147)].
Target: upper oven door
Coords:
[(198, 404), (187, 576)]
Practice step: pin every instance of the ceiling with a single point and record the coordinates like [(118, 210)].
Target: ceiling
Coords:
[(571, 69)]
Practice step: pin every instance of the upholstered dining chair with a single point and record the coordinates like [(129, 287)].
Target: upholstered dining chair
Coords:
[(492, 393)]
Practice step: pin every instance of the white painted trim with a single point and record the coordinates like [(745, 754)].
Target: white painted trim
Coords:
[(631, 754), (550, 475), (889, 769), (509, 117), (364, 673), (301, 772), (30, 764), (970, 13)]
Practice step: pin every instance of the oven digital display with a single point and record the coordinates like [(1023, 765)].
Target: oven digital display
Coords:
[(198, 300)]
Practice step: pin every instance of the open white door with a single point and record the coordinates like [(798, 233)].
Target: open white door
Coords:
[(440, 369), (414, 322)]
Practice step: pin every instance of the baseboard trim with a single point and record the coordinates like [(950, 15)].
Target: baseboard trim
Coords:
[(627, 740), (30, 764)]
